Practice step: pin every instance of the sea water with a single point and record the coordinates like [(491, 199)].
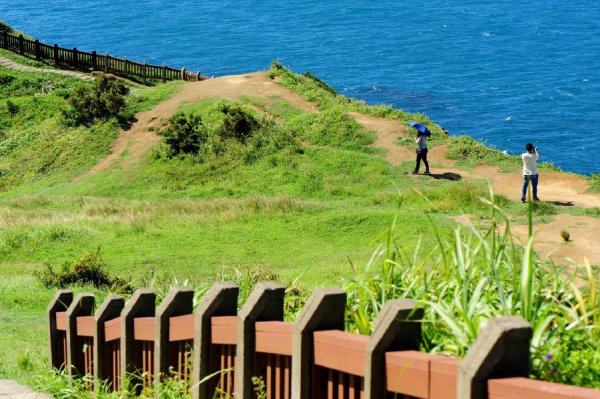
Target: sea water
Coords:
[(504, 72)]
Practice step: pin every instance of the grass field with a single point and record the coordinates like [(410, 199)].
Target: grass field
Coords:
[(304, 199)]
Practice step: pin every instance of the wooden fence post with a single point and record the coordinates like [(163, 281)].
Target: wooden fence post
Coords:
[(55, 54), (220, 300), (164, 73), (126, 66), (324, 310), (21, 44), (141, 304), (59, 303), (144, 71), (75, 62), (83, 305), (94, 60), (397, 328), (183, 73), (111, 308), (106, 58), (5, 39), (198, 76), (37, 49), (501, 350), (265, 303), (178, 302)]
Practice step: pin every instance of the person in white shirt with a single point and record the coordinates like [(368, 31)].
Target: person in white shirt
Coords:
[(530, 172)]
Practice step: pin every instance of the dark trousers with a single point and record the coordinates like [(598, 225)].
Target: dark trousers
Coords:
[(422, 155), (534, 184)]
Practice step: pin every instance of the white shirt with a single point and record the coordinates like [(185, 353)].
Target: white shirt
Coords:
[(529, 164)]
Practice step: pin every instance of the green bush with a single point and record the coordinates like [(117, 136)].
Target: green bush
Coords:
[(594, 181), (105, 99), (237, 124), (91, 269), (185, 135)]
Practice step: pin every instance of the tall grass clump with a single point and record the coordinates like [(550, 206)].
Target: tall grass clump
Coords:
[(477, 273)]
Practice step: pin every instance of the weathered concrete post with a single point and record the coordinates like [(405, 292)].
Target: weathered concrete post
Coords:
[(56, 54), (94, 60), (145, 72), (183, 73), (5, 41), (59, 303), (265, 303), (82, 305), (106, 59), (21, 44), (324, 310), (397, 328), (220, 300), (164, 73), (141, 304), (178, 302), (501, 350), (110, 309), (126, 66)]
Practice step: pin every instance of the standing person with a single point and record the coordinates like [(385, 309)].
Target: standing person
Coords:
[(530, 172), (421, 153)]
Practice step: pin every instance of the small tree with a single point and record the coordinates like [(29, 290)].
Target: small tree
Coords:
[(237, 124), (104, 100)]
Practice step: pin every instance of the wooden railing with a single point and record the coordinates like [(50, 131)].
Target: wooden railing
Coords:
[(93, 61), (310, 358)]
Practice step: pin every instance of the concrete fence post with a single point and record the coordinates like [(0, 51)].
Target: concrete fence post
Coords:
[(265, 303), (5, 41), (110, 309), (56, 60), (183, 73), (141, 304), (396, 328), (37, 49), (144, 71), (220, 300), (164, 73), (21, 44), (94, 60), (59, 303), (75, 58), (82, 305), (178, 302), (501, 350), (324, 310), (106, 59)]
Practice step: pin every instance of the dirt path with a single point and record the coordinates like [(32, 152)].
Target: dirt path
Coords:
[(6, 63), (12, 390), (135, 141)]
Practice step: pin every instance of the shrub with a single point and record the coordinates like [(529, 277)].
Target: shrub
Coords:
[(91, 269), (566, 236), (105, 99), (237, 124), (12, 108), (186, 134)]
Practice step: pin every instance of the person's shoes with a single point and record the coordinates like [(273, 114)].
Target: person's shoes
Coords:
[(427, 172), (536, 199), (414, 172), (523, 200)]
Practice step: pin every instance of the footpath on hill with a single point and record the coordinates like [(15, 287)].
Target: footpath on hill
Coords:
[(6, 63), (562, 189)]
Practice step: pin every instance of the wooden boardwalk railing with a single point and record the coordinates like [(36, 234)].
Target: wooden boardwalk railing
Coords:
[(93, 61), (310, 358)]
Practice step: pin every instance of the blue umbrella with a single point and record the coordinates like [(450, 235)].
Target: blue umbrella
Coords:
[(421, 128)]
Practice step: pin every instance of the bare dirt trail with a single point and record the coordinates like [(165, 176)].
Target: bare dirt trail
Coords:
[(132, 143)]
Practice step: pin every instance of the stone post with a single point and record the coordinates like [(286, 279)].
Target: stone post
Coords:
[(324, 310), (82, 305), (111, 309), (501, 350), (179, 302), (265, 303), (141, 304), (397, 328), (59, 303), (220, 300)]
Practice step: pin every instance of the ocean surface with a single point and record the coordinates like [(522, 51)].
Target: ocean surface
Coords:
[(504, 72)]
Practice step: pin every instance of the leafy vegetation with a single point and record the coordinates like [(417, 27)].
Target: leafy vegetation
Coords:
[(104, 100)]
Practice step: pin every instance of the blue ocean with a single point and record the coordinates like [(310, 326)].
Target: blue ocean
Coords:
[(504, 72)]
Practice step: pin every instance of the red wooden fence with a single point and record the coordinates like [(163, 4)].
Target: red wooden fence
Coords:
[(339, 360)]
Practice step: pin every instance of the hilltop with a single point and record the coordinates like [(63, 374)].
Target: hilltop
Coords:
[(303, 193)]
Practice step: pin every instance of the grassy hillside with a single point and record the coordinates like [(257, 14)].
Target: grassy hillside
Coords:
[(297, 196)]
